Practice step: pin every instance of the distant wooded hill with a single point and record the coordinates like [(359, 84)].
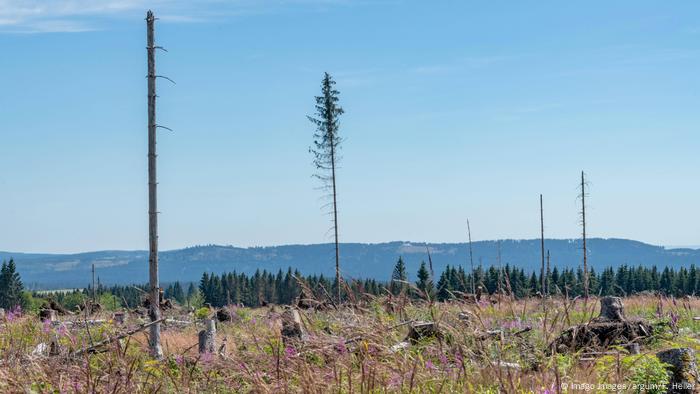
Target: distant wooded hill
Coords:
[(357, 260)]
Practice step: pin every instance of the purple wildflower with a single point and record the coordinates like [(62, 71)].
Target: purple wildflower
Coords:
[(290, 352), (659, 309), (429, 365), (395, 380), (180, 360), (14, 313), (513, 324), (207, 358), (674, 320), (342, 349)]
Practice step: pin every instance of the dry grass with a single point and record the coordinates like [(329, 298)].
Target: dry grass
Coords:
[(347, 350)]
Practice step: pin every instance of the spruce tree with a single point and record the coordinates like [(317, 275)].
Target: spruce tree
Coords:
[(444, 288), (325, 150), (11, 287), (398, 278), (425, 282)]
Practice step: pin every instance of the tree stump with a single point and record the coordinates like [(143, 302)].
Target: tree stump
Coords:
[(55, 347), (422, 329), (467, 318), (292, 326), (119, 317), (611, 308), (224, 314), (610, 328), (47, 315), (207, 337), (683, 371)]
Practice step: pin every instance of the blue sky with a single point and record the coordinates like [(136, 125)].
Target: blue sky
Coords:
[(454, 110)]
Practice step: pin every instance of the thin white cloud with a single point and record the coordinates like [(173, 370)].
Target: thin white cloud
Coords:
[(45, 16)]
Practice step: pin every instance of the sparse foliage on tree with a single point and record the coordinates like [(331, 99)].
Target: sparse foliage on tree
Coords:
[(325, 151)]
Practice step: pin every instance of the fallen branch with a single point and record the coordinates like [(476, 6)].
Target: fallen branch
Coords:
[(91, 349)]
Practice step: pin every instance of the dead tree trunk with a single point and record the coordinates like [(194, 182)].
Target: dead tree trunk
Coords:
[(471, 257), (542, 273), (548, 274), (94, 299), (583, 223), (335, 219), (154, 312)]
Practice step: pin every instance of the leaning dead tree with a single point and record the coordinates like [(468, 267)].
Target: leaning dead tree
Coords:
[(325, 150), (583, 226), (154, 310)]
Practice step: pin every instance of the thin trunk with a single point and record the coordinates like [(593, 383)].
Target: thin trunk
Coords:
[(548, 273), (154, 312), (471, 256), (93, 285), (500, 272), (583, 222), (542, 273), (335, 216)]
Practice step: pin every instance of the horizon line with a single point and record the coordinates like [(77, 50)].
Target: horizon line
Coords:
[(669, 247)]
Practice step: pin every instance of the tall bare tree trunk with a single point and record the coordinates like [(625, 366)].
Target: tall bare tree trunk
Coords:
[(154, 312), (471, 256), (94, 298), (542, 273), (583, 223), (548, 273), (335, 219), (500, 271)]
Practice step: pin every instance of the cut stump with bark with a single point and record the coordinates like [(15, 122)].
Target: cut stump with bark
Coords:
[(224, 314), (423, 329), (292, 326), (610, 328), (47, 315), (611, 308), (207, 337), (683, 370)]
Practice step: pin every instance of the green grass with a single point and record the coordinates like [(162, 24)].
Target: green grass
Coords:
[(257, 359)]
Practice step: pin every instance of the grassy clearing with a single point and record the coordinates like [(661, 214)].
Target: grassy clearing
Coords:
[(348, 350)]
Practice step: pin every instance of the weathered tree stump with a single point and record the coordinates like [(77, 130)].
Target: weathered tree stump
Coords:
[(51, 304), (683, 370), (207, 337), (611, 308), (422, 329), (292, 326), (224, 314), (47, 315), (55, 347), (467, 318), (609, 328), (119, 317)]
